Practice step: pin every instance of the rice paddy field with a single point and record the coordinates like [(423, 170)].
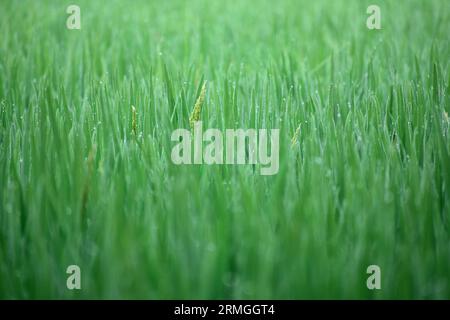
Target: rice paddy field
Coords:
[(364, 158)]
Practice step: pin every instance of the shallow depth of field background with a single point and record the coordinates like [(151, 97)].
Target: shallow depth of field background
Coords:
[(367, 183)]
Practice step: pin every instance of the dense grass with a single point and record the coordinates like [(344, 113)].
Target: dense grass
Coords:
[(367, 183)]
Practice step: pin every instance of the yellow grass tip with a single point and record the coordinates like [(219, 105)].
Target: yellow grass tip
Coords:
[(445, 114), (294, 139), (196, 112), (133, 120)]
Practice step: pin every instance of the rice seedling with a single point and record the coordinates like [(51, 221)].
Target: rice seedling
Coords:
[(364, 181)]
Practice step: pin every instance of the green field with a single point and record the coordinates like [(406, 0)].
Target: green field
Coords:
[(366, 183)]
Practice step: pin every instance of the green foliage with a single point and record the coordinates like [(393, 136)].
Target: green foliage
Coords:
[(368, 181)]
